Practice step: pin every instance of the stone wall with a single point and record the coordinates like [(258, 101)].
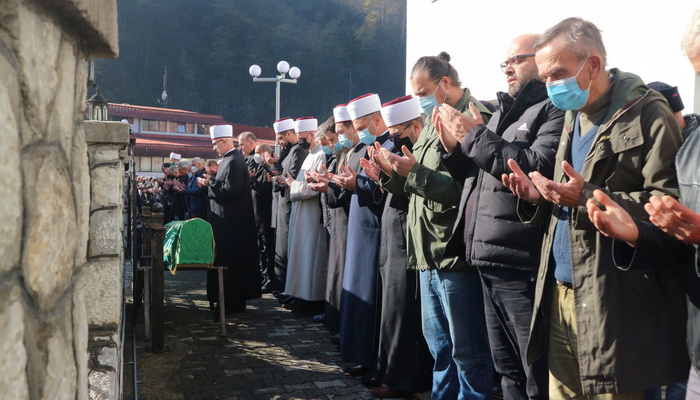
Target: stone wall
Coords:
[(45, 207)]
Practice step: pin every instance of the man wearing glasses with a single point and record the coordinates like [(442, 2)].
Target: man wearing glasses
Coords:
[(489, 233)]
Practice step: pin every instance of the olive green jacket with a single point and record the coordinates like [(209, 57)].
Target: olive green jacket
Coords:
[(434, 199), (631, 323)]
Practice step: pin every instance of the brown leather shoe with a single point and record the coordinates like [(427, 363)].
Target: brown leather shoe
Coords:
[(387, 393)]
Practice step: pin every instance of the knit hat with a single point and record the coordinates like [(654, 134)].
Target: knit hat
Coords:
[(670, 93)]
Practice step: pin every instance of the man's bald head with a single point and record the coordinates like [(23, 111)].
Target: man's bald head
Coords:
[(520, 62)]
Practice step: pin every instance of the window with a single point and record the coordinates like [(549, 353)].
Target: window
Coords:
[(145, 164), (149, 125), (181, 127), (157, 163)]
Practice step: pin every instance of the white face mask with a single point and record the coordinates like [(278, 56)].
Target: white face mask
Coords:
[(257, 158)]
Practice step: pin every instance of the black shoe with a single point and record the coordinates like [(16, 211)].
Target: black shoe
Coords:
[(294, 303), (235, 308), (355, 370), (304, 311), (335, 339), (287, 300), (279, 295)]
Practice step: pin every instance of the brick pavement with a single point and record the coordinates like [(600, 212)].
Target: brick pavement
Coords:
[(268, 353)]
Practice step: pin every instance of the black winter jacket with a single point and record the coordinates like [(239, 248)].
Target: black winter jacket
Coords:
[(526, 129)]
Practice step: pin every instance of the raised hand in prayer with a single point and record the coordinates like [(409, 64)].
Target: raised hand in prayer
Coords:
[(519, 183), (370, 168), (614, 222), (564, 194), (402, 165), (375, 154), (346, 179), (674, 218)]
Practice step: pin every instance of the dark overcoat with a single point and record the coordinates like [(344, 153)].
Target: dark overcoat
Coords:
[(233, 224)]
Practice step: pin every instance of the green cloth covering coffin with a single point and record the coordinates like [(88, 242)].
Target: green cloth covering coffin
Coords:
[(187, 243)]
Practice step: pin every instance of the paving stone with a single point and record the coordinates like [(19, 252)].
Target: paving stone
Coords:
[(267, 354), (328, 384)]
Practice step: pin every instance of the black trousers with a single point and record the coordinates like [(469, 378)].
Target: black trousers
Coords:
[(266, 246), (508, 303)]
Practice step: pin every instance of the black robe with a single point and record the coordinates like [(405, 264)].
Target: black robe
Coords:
[(339, 202), (401, 360), (233, 223)]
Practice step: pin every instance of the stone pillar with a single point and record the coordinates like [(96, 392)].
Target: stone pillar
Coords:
[(103, 272), (102, 278), (45, 207)]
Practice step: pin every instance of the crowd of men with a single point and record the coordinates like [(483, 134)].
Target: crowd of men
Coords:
[(549, 240)]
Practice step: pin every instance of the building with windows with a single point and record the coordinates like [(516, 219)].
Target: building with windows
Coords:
[(160, 131)]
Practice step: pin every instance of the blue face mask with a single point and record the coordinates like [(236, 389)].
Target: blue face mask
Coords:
[(338, 147), (327, 150), (565, 93), (367, 138), (429, 102), (343, 141)]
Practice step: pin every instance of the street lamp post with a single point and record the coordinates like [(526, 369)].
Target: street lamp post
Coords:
[(283, 69)]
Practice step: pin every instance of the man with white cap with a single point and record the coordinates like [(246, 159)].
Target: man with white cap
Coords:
[(233, 222), (489, 233), (358, 299), (290, 164), (175, 158), (352, 150), (402, 363), (308, 250)]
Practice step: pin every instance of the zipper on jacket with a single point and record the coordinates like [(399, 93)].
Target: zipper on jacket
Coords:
[(472, 222)]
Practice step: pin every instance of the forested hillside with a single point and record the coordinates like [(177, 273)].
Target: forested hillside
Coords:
[(344, 48)]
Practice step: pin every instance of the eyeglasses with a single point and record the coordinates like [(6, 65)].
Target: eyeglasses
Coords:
[(399, 133), (515, 60), (214, 143)]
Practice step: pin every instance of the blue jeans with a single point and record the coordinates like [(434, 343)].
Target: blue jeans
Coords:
[(674, 391), (452, 307)]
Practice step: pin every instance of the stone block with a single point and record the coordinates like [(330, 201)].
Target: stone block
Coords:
[(13, 363), (106, 233), (39, 44), (11, 205), (80, 175), (108, 358), (101, 282), (60, 373), (50, 226), (96, 20), (80, 341), (102, 385), (62, 115), (106, 132), (103, 154), (106, 183)]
